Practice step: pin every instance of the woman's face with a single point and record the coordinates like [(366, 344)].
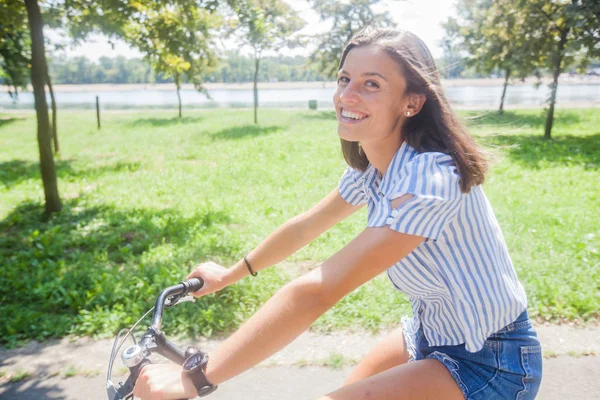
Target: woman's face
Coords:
[(369, 100)]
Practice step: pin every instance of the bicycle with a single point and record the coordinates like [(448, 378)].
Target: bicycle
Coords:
[(135, 357)]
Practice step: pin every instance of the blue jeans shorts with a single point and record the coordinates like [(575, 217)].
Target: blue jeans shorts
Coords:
[(508, 367)]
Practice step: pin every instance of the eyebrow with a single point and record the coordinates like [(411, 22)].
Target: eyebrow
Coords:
[(367, 74)]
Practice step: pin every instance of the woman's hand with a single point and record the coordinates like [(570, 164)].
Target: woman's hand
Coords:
[(213, 275), (164, 382)]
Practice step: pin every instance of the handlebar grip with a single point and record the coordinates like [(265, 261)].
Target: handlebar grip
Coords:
[(193, 284)]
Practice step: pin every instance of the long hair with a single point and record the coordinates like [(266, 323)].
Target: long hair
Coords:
[(436, 127)]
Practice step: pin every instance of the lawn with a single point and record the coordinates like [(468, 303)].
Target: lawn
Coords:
[(150, 195)]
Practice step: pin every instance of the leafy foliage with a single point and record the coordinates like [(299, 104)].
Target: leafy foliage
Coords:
[(176, 38), (15, 46), (561, 34), (521, 37), (486, 33), (347, 18), (265, 25)]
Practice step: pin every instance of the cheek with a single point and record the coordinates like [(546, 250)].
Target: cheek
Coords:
[(336, 96)]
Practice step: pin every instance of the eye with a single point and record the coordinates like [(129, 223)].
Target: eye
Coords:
[(343, 80), (372, 84)]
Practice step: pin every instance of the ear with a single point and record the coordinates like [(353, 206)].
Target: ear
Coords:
[(415, 103)]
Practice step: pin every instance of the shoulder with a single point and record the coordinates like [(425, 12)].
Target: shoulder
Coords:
[(356, 177), (355, 174), (430, 173), (351, 185), (431, 164), (434, 160)]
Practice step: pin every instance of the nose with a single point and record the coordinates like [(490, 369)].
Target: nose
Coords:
[(349, 94)]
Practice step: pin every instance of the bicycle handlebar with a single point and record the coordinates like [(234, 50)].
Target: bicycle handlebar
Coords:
[(177, 291), (153, 341)]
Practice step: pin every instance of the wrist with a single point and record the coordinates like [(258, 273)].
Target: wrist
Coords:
[(194, 367), (188, 386), (211, 374), (235, 273)]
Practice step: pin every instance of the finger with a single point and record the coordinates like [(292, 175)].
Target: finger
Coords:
[(196, 273), (139, 389), (200, 292)]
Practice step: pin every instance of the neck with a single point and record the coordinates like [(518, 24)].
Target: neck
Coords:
[(381, 152)]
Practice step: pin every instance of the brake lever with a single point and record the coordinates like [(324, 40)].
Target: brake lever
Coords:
[(177, 299)]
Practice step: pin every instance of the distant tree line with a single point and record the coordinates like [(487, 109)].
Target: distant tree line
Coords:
[(233, 68)]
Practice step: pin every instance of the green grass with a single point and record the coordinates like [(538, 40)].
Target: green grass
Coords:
[(150, 195), (334, 361), (71, 371), (19, 376)]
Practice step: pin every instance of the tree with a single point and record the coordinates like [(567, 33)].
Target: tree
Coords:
[(177, 40), (265, 25), (53, 106), (15, 53), (54, 10), (486, 31), (348, 18), (39, 74), (560, 34)]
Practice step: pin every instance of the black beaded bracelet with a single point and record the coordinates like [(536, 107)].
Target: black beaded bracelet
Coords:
[(249, 267)]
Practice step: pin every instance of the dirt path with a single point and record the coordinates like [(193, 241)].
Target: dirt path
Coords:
[(307, 368)]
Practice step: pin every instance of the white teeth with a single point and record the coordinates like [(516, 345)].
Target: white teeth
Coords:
[(349, 114)]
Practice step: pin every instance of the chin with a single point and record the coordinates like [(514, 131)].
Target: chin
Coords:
[(348, 135)]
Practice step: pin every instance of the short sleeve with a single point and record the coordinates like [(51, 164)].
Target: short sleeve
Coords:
[(433, 181), (350, 189)]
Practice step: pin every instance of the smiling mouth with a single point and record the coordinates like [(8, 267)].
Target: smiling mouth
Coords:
[(352, 116)]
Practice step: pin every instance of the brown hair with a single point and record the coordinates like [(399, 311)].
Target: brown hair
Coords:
[(436, 127)]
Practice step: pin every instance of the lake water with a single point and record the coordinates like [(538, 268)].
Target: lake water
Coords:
[(463, 96)]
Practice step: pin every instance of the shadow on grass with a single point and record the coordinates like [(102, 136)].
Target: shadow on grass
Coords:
[(158, 122), (7, 121), (324, 115), (517, 119), (16, 171), (240, 132), (536, 152), (82, 269)]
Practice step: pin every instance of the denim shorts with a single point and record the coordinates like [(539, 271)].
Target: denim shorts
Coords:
[(508, 367)]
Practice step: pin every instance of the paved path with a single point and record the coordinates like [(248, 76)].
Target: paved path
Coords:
[(571, 367)]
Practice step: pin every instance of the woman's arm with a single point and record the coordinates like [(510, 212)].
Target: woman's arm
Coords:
[(294, 235), (288, 313), (297, 305)]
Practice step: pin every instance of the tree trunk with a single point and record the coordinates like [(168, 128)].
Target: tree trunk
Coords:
[(178, 84), (554, 86), (257, 62), (54, 128), (13, 96), (501, 110), (39, 71)]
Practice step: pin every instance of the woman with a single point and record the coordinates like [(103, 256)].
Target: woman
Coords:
[(429, 225)]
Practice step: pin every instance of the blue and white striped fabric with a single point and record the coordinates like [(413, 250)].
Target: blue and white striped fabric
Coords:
[(460, 280)]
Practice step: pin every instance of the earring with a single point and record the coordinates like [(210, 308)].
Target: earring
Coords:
[(408, 113)]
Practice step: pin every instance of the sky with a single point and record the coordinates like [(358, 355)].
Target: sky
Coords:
[(422, 17)]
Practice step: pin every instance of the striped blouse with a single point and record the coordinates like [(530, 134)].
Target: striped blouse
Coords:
[(461, 282)]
